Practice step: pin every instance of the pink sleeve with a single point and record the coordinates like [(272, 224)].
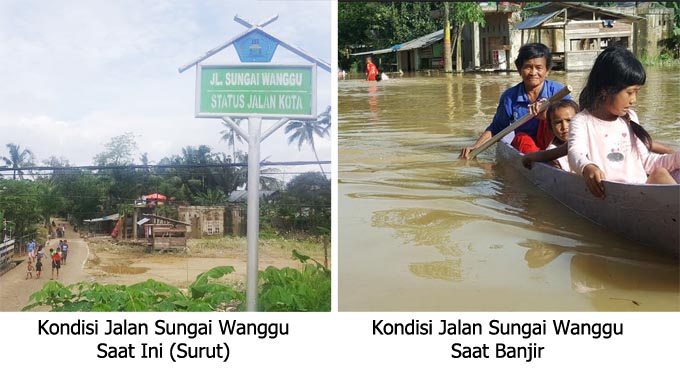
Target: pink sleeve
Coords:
[(650, 160), (578, 143), (653, 160)]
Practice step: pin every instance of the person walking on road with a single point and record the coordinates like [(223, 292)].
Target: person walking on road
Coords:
[(56, 262)]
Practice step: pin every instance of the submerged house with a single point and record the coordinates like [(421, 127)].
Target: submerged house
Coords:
[(576, 33), (424, 52), (482, 47)]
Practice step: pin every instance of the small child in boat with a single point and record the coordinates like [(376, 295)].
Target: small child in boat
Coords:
[(605, 139), (559, 117)]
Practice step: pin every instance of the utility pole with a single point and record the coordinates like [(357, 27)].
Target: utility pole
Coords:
[(448, 68), (459, 52)]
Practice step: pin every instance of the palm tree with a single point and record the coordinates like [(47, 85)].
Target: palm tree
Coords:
[(268, 181), (230, 136), (211, 198), (303, 131), (18, 158)]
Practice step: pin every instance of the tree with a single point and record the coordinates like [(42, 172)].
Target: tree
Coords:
[(18, 158), (674, 41), (144, 159), (305, 205), (53, 161), (267, 180), (212, 198), (375, 25), (49, 200), (303, 131), (231, 137), (83, 193), (20, 205), (464, 12), (119, 151)]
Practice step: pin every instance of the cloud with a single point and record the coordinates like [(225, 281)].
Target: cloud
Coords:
[(76, 73)]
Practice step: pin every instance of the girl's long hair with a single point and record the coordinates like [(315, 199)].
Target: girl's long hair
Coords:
[(615, 69)]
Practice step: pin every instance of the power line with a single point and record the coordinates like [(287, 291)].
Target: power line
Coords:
[(158, 166)]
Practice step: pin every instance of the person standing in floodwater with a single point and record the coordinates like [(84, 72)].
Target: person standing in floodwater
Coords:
[(371, 70), (533, 64)]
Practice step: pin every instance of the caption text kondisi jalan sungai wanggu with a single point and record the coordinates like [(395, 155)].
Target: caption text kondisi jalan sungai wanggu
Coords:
[(177, 350), (527, 330)]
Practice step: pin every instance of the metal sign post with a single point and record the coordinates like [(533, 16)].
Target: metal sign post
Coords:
[(255, 91), (254, 125)]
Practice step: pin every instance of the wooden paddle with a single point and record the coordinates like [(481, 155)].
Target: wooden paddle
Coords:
[(558, 96)]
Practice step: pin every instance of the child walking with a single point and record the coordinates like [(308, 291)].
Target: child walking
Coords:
[(29, 269), (605, 139), (38, 269)]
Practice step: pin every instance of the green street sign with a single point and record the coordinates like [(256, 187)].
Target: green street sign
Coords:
[(267, 91)]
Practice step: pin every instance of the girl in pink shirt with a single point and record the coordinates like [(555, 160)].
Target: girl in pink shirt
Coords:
[(605, 140)]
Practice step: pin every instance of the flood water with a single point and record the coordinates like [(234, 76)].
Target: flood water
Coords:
[(420, 230)]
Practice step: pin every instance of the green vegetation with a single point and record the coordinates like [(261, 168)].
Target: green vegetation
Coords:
[(17, 158), (302, 207), (374, 25), (199, 176), (663, 60), (292, 290), (364, 26), (308, 289), (303, 131), (673, 47)]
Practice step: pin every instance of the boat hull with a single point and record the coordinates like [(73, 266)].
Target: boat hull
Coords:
[(646, 214)]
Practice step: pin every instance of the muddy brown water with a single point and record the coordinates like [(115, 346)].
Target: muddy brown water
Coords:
[(420, 230)]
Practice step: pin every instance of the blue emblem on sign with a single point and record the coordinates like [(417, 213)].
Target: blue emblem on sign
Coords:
[(256, 46)]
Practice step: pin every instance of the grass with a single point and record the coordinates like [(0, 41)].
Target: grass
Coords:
[(663, 60)]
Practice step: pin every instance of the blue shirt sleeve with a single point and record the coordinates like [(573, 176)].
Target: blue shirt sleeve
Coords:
[(504, 111)]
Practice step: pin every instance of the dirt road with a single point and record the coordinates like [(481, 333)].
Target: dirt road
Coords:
[(15, 290), (96, 260)]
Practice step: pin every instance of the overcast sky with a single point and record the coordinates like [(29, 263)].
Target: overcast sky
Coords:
[(74, 74)]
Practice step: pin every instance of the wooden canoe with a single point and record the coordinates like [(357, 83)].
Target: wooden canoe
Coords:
[(646, 214)]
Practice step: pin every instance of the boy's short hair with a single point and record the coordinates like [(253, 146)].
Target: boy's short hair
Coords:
[(564, 103)]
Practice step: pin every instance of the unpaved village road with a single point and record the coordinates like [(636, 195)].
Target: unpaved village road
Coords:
[(15, 290), (126, 265)]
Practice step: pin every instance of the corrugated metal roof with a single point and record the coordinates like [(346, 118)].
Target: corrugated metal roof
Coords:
[(579, 11), (381, 51), (536, 20), (113, 217), (418, 43)]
